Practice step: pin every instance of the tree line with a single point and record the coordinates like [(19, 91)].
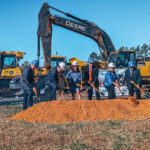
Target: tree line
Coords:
[(142, 52)]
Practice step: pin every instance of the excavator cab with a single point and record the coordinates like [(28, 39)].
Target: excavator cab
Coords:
[(122, 57), (55, 60), (9, 63)]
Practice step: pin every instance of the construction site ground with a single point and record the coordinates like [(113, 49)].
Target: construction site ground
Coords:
[(121, 134)]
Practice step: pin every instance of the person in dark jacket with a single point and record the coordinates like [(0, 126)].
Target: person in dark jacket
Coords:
[(27, 83), (111, 81), (52, 79), (132, 74), (91, 74)]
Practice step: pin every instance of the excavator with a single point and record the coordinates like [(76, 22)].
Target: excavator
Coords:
[(84, 27), (75, 24), (89, 29), (9, 69)]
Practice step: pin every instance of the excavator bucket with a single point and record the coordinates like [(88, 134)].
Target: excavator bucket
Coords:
[(45, 33)]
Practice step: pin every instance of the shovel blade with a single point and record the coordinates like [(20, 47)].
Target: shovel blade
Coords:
[(42, 91), (147, 95), (102, 93)]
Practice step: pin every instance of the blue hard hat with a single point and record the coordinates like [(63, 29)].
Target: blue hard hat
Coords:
[(35, 63), (91, 60), (131, 64)]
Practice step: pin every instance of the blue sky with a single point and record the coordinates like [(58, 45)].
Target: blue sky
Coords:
[(127, 22)]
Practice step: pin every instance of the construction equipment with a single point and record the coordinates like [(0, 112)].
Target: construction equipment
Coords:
[(109, 54), (83, 64), (146, 95), (84, 27), (9, 66), (55, 60)]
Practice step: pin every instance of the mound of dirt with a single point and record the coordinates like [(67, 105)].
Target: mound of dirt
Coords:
[(62, 111)]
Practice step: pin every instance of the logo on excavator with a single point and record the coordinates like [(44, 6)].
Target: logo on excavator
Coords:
[(76, 26)]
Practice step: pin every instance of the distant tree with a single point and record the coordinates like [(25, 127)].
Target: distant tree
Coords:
[(142, 52), (138, 52), (94, 56), (132, 48), (122, 48)]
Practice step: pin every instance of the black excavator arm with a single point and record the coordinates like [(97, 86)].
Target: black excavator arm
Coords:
[(84, 27)]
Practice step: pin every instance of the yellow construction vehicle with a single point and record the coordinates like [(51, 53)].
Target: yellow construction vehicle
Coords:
[(121, 58), (83, 64), (9, 63), (55, 60)]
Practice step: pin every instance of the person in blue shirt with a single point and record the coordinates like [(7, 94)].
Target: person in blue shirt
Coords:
[(111, 81), (74, 77)]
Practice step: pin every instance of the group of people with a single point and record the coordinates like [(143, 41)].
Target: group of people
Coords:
[(132, 75), (90, 77)]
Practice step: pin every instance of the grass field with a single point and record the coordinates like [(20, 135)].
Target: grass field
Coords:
[(114, 135)]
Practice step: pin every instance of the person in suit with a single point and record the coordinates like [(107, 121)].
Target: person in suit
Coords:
[(132, 74), (91, 74), (111, 81), (52, 79)]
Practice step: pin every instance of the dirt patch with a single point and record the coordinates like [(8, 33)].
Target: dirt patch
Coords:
[(14, 135), (62, 111)]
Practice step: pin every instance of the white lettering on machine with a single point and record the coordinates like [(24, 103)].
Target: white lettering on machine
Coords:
[(77, 26)]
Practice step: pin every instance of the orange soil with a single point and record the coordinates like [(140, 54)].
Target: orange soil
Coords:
[(62, 111)]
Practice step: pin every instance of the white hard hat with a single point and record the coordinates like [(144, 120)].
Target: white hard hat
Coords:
[(62, 65), (111, 65), (75, 63)]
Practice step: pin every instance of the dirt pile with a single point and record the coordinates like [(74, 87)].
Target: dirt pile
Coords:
[(62, 111)]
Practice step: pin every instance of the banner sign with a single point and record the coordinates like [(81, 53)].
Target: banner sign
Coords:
[(121, 81), (12, 93)]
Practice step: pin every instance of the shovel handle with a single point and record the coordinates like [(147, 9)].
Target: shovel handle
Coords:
[(93, 86), (120, 89), (138, 87), (35, 91), (79, 85)]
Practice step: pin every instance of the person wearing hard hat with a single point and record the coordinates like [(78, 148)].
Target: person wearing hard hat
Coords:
[(132, 74), (27, 84), (91, 75), (53, 79), (74, 78), (110, 81)]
